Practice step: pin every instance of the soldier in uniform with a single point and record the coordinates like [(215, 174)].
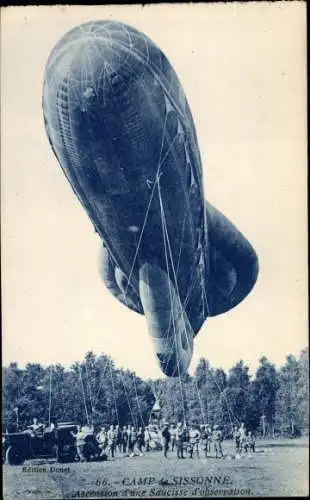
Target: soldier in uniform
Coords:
[(236, 438), (194, 438), (166, 438), (147, 439), (140, 440), (118, 438), (173, 431), (204, 439), (36, 428), (217, 438), (249, 444), (80, 442), (242, 430), (111, 441), (124, 439), (180, 440), (102, 440), (132, 438)]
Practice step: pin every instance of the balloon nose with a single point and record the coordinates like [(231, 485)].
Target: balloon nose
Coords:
[(92, 67)]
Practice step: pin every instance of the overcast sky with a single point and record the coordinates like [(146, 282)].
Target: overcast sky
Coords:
[(243, 70)]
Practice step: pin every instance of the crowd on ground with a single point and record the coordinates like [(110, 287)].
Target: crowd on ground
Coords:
[(186, 441)]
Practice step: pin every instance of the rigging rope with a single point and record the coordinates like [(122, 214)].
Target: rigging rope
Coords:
[(165, 235), (148, 207), (200, 401), (83, 392), (166, 242), (229, 410), (128, 401), (90, 393), (50, 397), (100, 384), (113, 389), (138, 404), (166, 238)]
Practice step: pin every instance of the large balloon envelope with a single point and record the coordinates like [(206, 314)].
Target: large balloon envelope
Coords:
[(120, 126)]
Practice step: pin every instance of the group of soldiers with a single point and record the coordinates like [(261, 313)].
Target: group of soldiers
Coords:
[(192, 440), (206, 438), (187, 441), (244, 441), (128, 441)]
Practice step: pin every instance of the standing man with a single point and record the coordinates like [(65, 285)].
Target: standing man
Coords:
[(102, 440), (124, 439), (166, 438), (206, 437), (179, 436), (236, 438), (132, 438), (147, 439), (173, 432), (209, 439), (242, 431), (250, 442), (118, 438), (140, 440), (217, 438), (80, 442), (111, 441), (194, 438), (129, 441)]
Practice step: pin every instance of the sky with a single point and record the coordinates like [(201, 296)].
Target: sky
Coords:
[(243, 69)]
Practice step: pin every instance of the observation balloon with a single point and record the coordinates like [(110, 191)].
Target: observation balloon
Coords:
[(119, 123)]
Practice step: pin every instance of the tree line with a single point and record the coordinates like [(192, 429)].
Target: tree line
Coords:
[(273, 401)]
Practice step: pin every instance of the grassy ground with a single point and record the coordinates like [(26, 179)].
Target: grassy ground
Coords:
[(278, 467)]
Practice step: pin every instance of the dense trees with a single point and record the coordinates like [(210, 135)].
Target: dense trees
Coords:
[(292, 403), (97, 392)]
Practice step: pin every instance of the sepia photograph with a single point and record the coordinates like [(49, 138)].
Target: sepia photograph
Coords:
[(154, 251)]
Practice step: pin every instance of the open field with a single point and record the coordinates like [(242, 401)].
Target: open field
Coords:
[(279, 467)]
